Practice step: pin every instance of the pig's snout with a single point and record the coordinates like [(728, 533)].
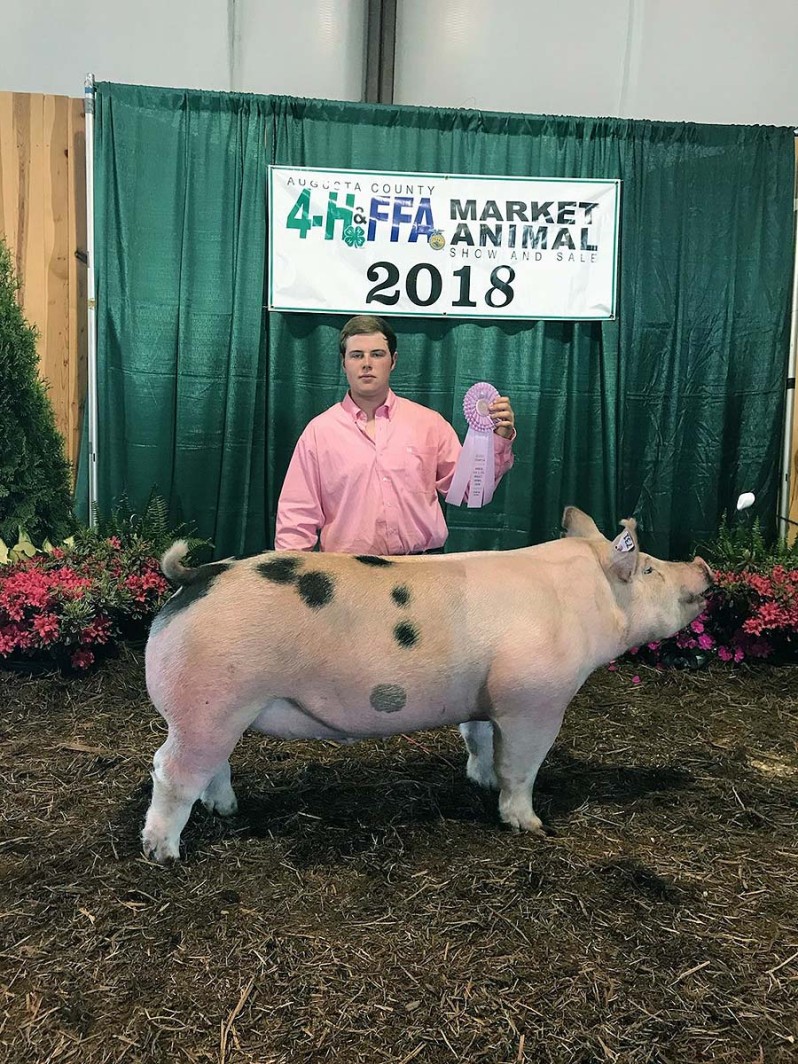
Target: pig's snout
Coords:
[(705, 569), (701, 580)]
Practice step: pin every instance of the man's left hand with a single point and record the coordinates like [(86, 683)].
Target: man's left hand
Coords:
[(503, 417)]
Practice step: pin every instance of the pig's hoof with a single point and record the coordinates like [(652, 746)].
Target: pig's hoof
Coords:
[(219, 796), (519, 820), (159, 849), (531, 827), (481, 774), (222, 806)]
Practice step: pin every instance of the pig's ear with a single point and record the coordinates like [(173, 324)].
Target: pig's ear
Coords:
[(577, 523), (624, 552)]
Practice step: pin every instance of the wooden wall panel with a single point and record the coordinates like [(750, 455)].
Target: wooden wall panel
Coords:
[(78, 285), (43, 218)]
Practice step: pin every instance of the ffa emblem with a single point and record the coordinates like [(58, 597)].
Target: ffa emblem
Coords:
[(437, 240)]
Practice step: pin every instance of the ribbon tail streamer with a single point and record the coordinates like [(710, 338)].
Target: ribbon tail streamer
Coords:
[(462, 472), (474, 472), (490, 473)]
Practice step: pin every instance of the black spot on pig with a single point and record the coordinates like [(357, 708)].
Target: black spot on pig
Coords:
[(279, 570), (406, 634), (401, 595), (372, 559), (315, 589), (201, 582), (388, 698)]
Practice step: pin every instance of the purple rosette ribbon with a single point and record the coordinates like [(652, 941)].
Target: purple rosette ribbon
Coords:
[(474, 474)]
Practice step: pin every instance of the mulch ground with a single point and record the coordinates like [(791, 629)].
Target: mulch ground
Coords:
[(365, 905)]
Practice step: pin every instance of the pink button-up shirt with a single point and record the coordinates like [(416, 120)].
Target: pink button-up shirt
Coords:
[(372, 496)]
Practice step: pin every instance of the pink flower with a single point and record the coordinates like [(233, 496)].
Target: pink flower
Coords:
[(612, 667), (697, 626), (8, 639), (97, 632), (636, 679), (25, 640), (81, 659), (725, 654), (47, 627), (705, 641), (759, 648), (74, 601)]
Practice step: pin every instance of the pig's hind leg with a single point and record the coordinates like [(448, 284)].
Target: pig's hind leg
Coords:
[(219, 796), (188, 766)]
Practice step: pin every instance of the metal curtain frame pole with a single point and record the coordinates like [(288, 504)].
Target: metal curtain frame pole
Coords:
[(378, 81), (789, 403), (88, 110)]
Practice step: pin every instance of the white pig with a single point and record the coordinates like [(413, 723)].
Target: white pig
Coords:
[(336, 646)]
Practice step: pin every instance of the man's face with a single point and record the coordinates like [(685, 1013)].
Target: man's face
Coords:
[(367, 365)]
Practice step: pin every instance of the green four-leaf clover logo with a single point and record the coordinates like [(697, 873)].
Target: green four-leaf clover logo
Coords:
[(354, 237)]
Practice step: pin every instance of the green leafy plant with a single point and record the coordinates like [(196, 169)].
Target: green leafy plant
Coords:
[(739, 545), (35, 479), (149, 529), (23, 548)]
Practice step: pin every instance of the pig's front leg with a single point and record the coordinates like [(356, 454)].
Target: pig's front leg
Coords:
[(523, 737), (478, 736)]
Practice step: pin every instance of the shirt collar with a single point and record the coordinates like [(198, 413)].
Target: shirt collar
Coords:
[(387, 409)]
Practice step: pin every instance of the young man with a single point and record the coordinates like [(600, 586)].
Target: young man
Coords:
[(366, 474)]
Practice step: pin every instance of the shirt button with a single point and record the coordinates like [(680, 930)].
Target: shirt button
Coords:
[(384, 478)]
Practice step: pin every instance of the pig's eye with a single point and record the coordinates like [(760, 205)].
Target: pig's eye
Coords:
[(648, 569)]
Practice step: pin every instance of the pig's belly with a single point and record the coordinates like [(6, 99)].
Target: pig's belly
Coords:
[(288, 719)]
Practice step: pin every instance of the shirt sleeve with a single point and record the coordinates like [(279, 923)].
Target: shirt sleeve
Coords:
[(449, 448), (503, 456), (299, 511)]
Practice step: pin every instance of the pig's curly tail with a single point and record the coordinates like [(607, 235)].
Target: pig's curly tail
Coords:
[(172, 565)]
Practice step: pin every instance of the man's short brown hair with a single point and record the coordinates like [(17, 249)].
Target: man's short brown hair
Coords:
[(366, 325)]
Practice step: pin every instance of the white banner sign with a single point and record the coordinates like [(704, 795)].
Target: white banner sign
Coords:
[(367, 241)]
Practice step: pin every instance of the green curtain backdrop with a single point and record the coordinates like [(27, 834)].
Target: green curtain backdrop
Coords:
[(667, 413)]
